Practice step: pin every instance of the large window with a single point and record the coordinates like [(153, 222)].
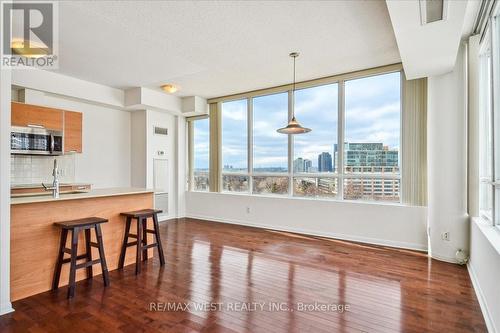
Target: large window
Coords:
[(200, 160), (489, 118), (234, 122), (372, 136), (352, 152), (270, 149), (315, 159)]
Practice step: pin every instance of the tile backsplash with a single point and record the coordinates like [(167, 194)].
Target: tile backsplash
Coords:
[(37, 169)]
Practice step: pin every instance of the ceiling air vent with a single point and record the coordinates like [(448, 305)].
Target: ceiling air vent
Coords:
[(161, 130), (433, 10)]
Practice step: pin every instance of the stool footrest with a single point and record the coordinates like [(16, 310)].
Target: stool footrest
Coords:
[(131, 244), (88, 263), (81, 256), (132, 236), (93, 244), (149, 231), (145, 247)]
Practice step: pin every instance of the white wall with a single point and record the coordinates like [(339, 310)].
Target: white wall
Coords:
[(166, 144), (386, 224), (105, 161), (138, 148), (484, 269), (447, 161), (5, 97)]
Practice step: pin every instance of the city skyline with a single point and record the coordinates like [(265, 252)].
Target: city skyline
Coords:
[(372, 115)]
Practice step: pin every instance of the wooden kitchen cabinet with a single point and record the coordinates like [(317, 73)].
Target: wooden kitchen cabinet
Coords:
[(25, 115), (73, 124)]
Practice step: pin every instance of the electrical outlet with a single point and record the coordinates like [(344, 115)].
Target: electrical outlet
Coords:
[(445, 236), (248, 210)]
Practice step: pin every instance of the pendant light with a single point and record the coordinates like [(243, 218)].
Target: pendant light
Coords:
[(293, 126)]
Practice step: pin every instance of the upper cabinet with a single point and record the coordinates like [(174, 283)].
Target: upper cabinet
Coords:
[(72, 132), (27, 115), (38, 116)]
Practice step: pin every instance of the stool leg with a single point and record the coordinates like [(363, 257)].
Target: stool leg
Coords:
[(72, 268), (60, 256), (88, 252), (105, 274), (139, 245), (158, 239), (124, 245), (144, 238)]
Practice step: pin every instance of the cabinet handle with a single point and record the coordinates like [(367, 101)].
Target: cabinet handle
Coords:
[(35, 126)]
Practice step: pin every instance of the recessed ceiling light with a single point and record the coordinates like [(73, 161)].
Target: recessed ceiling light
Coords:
[(170, 88), (17, 47)]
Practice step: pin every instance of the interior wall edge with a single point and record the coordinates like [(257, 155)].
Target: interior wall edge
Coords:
[(351, 238), (481, 298)]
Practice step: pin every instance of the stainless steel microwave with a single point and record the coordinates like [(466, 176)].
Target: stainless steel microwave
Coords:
[(35, 140)]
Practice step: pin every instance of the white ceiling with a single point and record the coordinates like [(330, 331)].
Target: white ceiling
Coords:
[(216, 48), (436, 42)]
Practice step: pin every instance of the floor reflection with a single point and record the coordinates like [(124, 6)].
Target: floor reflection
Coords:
[(381, 286)]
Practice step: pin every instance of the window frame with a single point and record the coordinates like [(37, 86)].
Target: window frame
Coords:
[(190, 148), (339, 174), (490, 45)]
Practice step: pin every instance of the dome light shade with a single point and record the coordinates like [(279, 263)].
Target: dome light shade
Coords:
[(293, 127)]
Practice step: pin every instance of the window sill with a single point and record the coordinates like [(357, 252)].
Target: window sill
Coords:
[(491, 232), (286, 197)]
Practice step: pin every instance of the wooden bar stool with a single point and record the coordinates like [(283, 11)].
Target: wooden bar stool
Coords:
[(75, 226), (141, 237)]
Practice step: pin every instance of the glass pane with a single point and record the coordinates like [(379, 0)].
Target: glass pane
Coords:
[(200, 181), (270, 185), (270, 149), (486, 200), (201, 145), (492, 93), (315, 187), (316, 108), (233, 183), (374, 189), (234, 136), (372, 124)]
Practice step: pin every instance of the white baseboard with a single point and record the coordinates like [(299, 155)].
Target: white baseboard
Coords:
[(6, 308), (481, 299), (361, 239), (445, 259)]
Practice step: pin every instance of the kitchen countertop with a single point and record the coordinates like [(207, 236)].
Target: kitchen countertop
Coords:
[(95, 193), (39, 185)]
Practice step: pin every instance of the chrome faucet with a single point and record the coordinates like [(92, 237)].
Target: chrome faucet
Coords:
[(55, 183)]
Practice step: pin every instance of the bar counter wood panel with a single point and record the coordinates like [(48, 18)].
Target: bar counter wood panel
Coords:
[(35, 240)]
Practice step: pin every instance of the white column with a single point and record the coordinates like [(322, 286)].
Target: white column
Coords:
[(5, 97), (181, 165), (447, 161)]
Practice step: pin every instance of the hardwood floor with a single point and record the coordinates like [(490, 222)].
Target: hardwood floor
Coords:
[(228, 266)]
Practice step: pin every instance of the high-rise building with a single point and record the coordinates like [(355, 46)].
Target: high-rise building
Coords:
[(369, 158), (307, 165), (302, 165), (325, 162), (298, 165)]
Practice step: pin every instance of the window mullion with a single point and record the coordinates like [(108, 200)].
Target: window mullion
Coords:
[(291, 107), (250, 143), (340, 139)]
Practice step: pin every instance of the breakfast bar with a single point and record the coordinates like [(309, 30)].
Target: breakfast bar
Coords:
[(35, 239)]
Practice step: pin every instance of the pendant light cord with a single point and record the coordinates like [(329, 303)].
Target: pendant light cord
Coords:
[(293, 89)]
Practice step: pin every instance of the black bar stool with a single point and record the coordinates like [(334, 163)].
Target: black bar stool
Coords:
[(141, 237), (75, 226)]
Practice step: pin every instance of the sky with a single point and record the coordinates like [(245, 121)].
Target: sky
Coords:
[(372, 115)]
